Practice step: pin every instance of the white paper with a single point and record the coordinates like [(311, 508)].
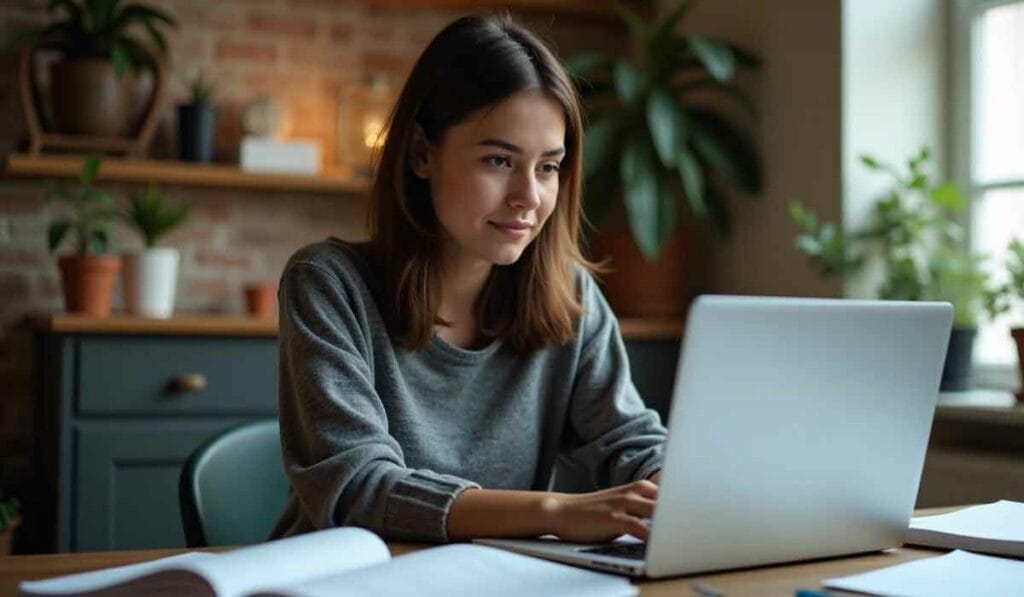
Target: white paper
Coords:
[(1000, 521), (98, 579), (466, 570), (957, 574)]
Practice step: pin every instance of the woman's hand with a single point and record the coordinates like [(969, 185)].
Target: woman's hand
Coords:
[(601, 515)]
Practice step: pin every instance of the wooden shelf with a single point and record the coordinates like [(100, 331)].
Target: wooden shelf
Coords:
[(180, 173), (184, 324), (240, 325)]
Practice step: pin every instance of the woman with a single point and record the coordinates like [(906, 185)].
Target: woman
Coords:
[(430, 378)]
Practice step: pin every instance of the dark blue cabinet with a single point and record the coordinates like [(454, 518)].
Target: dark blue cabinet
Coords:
[(119, 414)]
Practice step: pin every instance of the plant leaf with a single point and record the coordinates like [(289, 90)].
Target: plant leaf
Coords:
[(715, 55), (731, 90), (99, 240), (725, 149), (120, 57), (667, 124), (56, 232), (692, 179), (947, 196), (640, 193), (599, 144), (90, 169), (628, 81), (637, 25), (585, 62)]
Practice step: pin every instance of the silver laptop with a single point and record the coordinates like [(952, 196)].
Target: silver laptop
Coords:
[(798, 430)]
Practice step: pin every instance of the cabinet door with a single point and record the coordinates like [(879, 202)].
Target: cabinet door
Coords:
[(126, 481)]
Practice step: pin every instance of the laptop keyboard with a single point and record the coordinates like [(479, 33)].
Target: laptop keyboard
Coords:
[(633, 551)]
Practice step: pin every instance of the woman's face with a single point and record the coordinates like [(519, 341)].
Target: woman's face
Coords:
[(494, 178)]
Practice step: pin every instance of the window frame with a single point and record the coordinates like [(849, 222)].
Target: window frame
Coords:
[(963, 141)]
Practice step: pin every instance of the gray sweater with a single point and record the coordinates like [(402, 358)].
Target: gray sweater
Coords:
[(385, 438)]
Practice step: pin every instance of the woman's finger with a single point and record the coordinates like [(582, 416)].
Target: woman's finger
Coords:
[(631, 525)]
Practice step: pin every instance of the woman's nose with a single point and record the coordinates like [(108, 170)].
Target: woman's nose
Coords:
[(525, 192)]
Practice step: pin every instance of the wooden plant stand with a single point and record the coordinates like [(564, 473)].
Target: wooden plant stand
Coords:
[(39, 139)]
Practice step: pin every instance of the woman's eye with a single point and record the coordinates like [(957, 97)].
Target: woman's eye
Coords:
[(550, 168), (498, 160)]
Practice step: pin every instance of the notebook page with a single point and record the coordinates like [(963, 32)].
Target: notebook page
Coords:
[(465, 569), (1002, 520), (957, 574), (292, 560), (99, 579)]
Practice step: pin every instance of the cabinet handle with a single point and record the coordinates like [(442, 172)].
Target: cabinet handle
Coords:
[(188, 382)]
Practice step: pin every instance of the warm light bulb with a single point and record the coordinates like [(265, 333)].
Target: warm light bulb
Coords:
[(373, 128)]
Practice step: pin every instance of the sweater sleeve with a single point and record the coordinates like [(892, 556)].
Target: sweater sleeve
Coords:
[(616, 437), (344, 467)]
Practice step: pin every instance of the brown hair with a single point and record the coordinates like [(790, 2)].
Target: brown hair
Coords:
[(473, 63)]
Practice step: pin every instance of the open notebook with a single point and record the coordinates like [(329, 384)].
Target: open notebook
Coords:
[(342, 561)]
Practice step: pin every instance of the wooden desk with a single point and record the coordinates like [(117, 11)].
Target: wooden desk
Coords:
[(766, 581)]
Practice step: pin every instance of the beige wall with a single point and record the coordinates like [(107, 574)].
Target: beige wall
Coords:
[(838, 79)]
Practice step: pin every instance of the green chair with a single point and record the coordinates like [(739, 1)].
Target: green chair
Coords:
[(233, 487)]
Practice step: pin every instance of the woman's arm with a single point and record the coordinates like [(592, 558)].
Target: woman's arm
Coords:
[(584, 518)]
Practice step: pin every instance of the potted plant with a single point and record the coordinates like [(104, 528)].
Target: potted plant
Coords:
[(912, 240), (87, 276), (196, 120), (89, 91), (1013, 290), (10, 518), (653, 135), (150, 275)]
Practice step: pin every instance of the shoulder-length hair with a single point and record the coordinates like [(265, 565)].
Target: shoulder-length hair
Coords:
[(475, 62)]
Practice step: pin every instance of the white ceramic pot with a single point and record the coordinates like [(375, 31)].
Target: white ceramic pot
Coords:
[(149, 282)]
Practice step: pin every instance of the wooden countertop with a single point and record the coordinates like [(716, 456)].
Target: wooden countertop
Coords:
[(241, 325)]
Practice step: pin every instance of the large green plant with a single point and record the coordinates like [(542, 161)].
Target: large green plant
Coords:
[(653, 131), (151, 217), (91, 211), (912, 237), (104, 29)]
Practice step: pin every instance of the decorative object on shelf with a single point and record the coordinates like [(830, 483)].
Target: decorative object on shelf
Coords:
[(150, 276), (261, 299), (91, 86), (914, 241), (363, 113), (196, 122), (10, 518), (653, 136), (87, 276), (264, 148)]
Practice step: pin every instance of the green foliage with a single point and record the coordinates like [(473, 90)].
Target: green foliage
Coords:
[(200, 89), (649, 132), (104, 29), (91, 211), (913, 236), (151, 217), (10, 509)]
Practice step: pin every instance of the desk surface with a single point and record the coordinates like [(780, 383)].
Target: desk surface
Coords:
[(773, 580)]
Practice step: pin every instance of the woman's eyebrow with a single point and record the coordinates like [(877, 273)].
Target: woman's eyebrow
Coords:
[(515, 149)]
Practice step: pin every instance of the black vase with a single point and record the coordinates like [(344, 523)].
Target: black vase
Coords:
[(956, 375), (195, 131)]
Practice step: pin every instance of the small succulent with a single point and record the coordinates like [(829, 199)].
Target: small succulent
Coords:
[(152, 217), (200, 89)]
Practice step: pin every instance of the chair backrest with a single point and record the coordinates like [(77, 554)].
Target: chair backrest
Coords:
[(233, 487)]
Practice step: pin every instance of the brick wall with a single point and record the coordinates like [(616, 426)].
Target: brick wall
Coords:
[(304, 53)]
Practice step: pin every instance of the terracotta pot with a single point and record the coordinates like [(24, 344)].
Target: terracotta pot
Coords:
[(261, 300), (636, 287), (7, 536), (1018, 335), (88, 283), (89, 98)]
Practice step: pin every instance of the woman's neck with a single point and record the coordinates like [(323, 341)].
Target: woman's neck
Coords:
[(462, 281)]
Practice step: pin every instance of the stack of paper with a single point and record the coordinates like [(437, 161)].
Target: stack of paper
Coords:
[(958, 574), (996, 528)]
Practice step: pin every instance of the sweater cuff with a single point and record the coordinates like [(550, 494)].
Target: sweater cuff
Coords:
[(417, 506)]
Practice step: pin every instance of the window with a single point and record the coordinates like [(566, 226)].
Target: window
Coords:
[(988, 145)]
